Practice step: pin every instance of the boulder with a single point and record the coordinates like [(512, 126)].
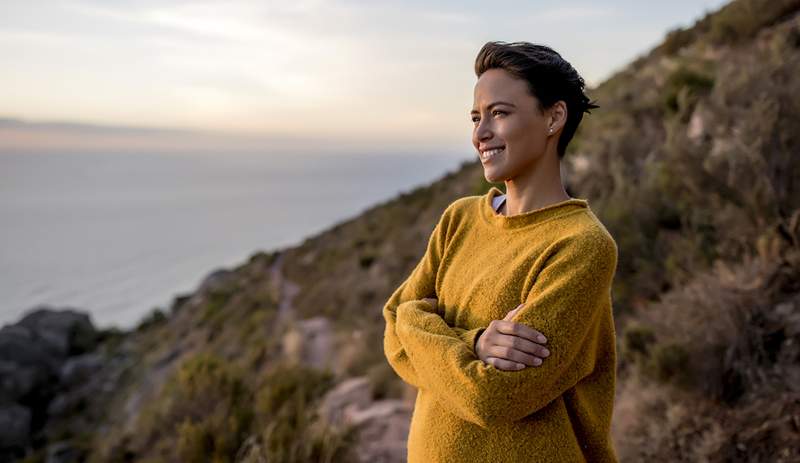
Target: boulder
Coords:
[(63, 452), (15, 426), (352, 393), (65, 332), (382, 430), (78, 370), (40, 357), (311, 343)]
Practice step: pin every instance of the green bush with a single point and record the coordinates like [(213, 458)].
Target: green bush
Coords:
[(638, 340), (741, 20), (285, 407), (676, 39), (366, 260), (384, 381), (683, 88), (208, 404), (216, 301), (156, 317), (668, 362)]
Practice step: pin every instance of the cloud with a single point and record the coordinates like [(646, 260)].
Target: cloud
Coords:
[(334, 69)]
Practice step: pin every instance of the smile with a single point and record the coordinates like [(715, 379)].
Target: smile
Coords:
[(489, 154)]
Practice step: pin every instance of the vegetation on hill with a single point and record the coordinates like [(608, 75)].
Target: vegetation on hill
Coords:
[(691, 163)]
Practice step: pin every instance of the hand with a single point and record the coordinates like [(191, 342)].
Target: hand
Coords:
[(511, 346)]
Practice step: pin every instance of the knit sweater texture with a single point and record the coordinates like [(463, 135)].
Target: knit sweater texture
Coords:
[(559, 261)]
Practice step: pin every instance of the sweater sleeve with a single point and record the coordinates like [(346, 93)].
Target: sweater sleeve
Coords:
[(566, 303), (421, 283)]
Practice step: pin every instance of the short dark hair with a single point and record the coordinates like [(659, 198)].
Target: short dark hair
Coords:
[(550, 78)]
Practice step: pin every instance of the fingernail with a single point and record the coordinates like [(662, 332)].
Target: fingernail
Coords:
[(545, 352), (537, 361), (541, 338)]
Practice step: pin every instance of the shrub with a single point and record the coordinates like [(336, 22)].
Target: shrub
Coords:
[(217, 300), (384, 381), (286, 411), (156, 317), (677, 39), (366, 260), (683, 88), (668, 362), (210, 406), (742, 19), (638, 339)]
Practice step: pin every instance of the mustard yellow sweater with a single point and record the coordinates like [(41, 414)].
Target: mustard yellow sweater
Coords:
[(559, 261)]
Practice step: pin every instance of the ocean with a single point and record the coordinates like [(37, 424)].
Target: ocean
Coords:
[(117, 235)]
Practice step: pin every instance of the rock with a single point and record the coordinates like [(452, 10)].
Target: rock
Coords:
[(31, 355), (353, 393), (697, 125), (63, 452), (310, 342), (381, 426), (15, 426), (18, 381), (377, 410), (65, 332), (77, 370), (79, 383), (382, 430), (217, 280), (25, 365), (19, 345)]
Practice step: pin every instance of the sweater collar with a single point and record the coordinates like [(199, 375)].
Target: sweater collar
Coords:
[(528, 218)]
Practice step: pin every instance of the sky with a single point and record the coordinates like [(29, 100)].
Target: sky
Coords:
[(123, 75)]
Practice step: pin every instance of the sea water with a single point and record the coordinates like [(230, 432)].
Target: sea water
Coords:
[(118, 235)]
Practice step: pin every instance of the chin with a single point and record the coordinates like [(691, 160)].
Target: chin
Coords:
[(493, 177)]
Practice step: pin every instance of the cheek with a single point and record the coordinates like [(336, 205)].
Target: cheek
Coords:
[(526, 139)]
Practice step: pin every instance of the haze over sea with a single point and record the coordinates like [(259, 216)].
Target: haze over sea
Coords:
[(119, 235)]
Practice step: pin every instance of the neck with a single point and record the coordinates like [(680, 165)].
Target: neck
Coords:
[(538, 187)]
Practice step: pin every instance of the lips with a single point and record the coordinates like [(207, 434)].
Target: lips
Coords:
[(491, 153)]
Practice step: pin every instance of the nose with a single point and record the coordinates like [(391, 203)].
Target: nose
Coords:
[(482, 131)]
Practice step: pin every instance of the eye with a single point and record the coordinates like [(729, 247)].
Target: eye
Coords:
[(475, 118), (497, 111)]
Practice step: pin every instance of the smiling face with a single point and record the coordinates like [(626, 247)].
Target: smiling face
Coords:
[(509, 132)]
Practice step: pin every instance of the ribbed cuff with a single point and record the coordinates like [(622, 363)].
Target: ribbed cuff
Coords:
[(470, 337)]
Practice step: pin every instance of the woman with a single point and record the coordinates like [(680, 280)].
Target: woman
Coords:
[(505, 326)]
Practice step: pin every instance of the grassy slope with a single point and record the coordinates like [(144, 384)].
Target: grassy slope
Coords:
[(689, 161)]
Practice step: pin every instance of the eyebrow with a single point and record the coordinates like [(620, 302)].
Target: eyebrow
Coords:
[(494, 104)]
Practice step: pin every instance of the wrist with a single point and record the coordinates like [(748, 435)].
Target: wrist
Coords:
[(477, 340)]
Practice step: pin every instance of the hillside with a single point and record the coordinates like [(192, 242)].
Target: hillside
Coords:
[(691, 163)]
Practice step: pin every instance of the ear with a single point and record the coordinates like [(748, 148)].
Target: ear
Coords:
[(558, 115)]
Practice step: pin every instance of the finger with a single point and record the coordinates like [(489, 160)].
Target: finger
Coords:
[(512, 312), (502, 364), (520, 344), (521, 330), (513, 355)]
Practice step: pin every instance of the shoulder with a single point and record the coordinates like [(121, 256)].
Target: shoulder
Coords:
[(586, 238), (461, 208), (464, 204)]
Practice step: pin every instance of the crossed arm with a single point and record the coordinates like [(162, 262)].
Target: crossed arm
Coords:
[(570, 294)]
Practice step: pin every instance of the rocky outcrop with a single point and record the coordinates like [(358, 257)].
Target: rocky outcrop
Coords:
[(40, 355), (310, 342), (381, 426)]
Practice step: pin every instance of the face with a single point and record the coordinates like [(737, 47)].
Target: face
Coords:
[(509, 132)]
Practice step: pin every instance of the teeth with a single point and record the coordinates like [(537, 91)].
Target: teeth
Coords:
[(491, 153)]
